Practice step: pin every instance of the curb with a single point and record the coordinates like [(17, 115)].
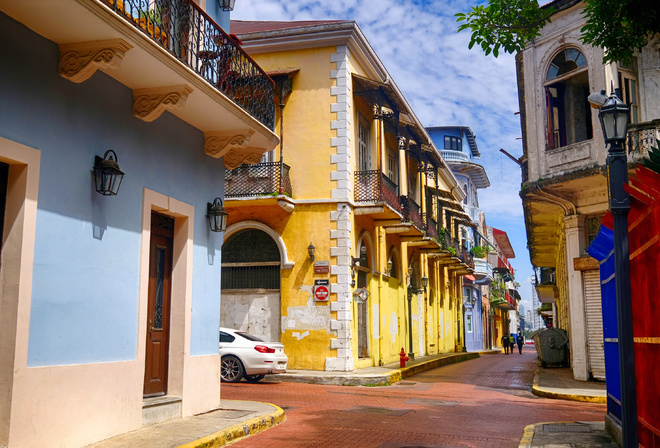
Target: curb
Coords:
[(528, 435), (536, 390), (380, 379), (240, 431)]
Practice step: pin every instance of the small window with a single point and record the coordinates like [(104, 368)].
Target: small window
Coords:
[(453, 143)]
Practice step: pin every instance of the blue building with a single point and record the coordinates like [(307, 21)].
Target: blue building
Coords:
[(458, 147), (110, 303)]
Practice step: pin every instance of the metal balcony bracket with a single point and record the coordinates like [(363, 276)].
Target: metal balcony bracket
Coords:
[(79, 61), (149, 104)]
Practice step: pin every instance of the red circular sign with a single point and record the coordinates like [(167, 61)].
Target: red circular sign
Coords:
[(321, 293)]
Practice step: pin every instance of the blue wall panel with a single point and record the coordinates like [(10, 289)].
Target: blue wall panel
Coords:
[(87, 247)]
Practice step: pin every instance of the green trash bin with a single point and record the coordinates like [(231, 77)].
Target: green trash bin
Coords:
[(551, 346)]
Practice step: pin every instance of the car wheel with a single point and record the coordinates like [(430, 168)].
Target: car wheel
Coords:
[(254, 378), (231, 369)]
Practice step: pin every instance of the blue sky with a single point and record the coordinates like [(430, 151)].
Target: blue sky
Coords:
[(446, 85)]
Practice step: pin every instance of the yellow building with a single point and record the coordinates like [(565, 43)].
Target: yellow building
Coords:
[(341, 242)]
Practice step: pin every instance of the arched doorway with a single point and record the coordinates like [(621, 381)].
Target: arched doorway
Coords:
[(251, 284)]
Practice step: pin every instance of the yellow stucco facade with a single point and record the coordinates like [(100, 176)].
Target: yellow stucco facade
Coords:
[(358, 168)]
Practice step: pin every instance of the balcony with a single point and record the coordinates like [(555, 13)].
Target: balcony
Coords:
[(483, 271), (641, 138), (174, 59), (412, 212), (454, 156), (185, 31), (375, 187), (263, 179)]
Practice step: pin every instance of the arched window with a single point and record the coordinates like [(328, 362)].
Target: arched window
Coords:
[(568, 115), (250, 260)]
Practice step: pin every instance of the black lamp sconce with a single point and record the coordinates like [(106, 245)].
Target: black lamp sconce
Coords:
[(107, 175), (217, 215), (310, 251), (226, 5)]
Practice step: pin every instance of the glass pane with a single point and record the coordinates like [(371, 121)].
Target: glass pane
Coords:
[(552, 72), (581, 61), (160, 280), (572, 54)]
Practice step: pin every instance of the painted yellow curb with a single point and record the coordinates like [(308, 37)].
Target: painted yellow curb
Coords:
[(238, 432), (528, 436), (536, 390)]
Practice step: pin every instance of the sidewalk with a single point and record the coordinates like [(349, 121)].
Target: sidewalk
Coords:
[(238, 419)]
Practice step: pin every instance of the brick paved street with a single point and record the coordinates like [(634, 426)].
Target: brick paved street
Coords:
[(484, 402)]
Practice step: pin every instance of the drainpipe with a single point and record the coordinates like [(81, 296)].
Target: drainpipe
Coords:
[(380, 298)]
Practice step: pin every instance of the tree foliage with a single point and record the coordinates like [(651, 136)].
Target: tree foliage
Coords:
[(618, 26)]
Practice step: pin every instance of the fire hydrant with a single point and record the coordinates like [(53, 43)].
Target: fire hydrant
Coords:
[(402, 358)]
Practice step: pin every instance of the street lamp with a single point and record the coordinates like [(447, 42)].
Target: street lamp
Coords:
[(614, 116)]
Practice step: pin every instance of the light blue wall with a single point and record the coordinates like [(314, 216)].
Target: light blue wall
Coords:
[(474, 340), (87, 246)]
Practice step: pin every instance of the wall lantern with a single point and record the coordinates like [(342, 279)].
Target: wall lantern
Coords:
[(425, 282), (226, 5), (410, 273), (107, 175), (217, 215), (389, 267), (310, 251), (614, 117)]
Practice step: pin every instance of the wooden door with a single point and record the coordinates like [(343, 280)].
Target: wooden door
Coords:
[(158, 305)]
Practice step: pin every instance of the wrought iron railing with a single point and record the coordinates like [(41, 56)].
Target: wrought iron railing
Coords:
[(411, 212), (191, 36), (375, 186), (642, 137), (432, 229), (262, 179)]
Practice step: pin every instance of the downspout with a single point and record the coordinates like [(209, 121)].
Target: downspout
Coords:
[(380, 299)]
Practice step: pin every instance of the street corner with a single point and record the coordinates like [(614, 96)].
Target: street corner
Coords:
[(240, 431)]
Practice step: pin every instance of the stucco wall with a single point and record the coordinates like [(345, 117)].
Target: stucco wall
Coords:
[(81, 359)]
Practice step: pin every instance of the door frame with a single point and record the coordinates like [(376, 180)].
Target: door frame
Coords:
[(181, 286)]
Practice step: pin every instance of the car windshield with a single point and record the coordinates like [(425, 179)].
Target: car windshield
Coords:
[(249, 337)]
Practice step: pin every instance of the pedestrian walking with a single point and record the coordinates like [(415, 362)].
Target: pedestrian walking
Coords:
[(520, 340), (505, 344), (512, 343)]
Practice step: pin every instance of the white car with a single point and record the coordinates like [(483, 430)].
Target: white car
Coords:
[(247, 356)]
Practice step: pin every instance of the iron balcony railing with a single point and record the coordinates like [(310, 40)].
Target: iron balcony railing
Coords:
[(642, 137), (191, 36), (375, 186), (262, 179), (411, 212), (432, 229)]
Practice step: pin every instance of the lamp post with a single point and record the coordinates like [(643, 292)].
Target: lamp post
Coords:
[(614, 115)]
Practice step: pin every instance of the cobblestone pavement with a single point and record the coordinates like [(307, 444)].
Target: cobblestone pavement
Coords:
[(484, 402)]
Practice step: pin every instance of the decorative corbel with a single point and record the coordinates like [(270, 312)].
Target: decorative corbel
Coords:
[(217, 144), (236, 157), (79, 61), (149, 104)]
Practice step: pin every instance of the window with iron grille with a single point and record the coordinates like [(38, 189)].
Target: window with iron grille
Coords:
[(250, 260)]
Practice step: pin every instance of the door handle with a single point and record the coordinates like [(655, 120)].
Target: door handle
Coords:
[(151, 325)]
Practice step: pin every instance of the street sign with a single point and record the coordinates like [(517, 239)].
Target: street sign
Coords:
[(321, 290), (321, 267)]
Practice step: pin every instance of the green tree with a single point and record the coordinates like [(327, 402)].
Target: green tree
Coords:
[(618, 26)]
